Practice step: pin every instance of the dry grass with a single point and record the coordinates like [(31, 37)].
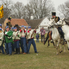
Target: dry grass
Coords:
[(45, 59)]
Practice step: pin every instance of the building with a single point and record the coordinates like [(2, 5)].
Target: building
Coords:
[(39, 23), (34, 23), (20, 22)]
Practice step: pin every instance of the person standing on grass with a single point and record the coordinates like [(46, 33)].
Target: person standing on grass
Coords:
[(23, 39), (16, 38), (30, 38), (8, 40), (42, 30), (13, 46), (1, 40), (2, 34), (37, 37)]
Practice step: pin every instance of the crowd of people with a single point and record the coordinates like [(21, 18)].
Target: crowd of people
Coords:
[(13, 39)]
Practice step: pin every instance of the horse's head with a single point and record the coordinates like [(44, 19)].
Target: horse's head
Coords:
[(51, 23), (61, 22)]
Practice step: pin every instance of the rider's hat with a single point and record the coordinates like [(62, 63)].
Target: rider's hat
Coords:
[(53, 13)]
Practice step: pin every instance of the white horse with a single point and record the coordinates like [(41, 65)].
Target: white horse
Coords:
[(55, 35), (65, 28)]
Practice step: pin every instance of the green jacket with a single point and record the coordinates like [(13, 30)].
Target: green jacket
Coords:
[(8, 37)]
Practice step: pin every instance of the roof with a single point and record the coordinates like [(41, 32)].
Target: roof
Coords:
[(34, 23), (19, 22)]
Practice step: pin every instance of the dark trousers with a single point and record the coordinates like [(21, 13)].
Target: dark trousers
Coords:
[(1, 47), (37, 40), (16, 44), (13, 47), (8, 48), (46, 38), (23, 45), (61, 32), (31, 41)]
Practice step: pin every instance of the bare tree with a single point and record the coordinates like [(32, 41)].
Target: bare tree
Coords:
[(64, 9), (36, 8), (17, 10), (7, 9), (67, 3), (39, 8)]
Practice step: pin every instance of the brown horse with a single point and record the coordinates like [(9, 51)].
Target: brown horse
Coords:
[(48, 38)]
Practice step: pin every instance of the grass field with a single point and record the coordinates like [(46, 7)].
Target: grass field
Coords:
[(45, 59)]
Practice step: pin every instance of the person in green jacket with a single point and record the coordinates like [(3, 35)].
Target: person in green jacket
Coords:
[(8, 40)]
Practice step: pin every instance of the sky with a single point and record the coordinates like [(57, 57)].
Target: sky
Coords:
[(56, 2)]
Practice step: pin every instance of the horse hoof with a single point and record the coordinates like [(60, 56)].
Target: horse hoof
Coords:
[(61, 51)]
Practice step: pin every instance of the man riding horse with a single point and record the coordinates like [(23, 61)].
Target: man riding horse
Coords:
[(59, 28)]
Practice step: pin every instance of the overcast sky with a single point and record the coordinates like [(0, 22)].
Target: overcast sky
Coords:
[(56, 2)]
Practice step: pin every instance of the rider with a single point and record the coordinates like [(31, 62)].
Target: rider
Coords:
[(59, 28)]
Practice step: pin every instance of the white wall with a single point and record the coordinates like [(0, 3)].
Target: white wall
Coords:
[(44, 24)]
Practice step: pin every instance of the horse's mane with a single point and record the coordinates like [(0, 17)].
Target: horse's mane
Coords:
[(67, 23)]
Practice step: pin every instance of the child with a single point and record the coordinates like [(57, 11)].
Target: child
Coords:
[(37, 37), (16, 39), (1, 40), (8, 40), (23, 39), (30, 38)]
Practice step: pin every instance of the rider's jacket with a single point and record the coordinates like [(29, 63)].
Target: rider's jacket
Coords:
[(56, 19)]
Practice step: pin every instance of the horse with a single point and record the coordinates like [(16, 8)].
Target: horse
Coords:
[(65, 28), (48, 38), (55, 35)]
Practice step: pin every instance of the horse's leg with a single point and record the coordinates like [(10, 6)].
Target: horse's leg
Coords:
[(57, 46), (48, 43), (46, 38), (64, 48), (53, 44), (68, 44), (60, 47), (49, 38)]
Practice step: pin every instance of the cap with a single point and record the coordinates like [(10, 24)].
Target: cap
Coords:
[(22, 26), (29, 26), (9, 18), (12, 28), (0, 24), (15, 28), (53, 13), (7, 27)]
